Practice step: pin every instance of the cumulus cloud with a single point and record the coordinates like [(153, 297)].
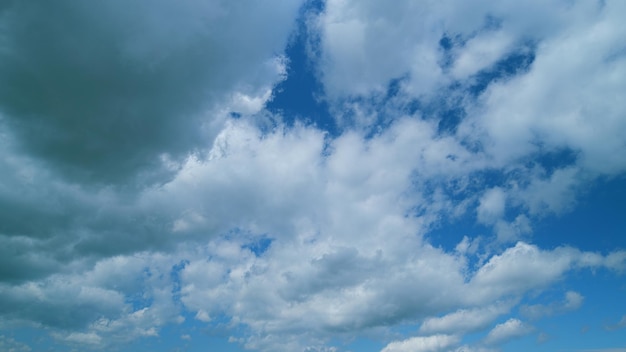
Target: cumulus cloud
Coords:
[(438, 46), (343, 256)]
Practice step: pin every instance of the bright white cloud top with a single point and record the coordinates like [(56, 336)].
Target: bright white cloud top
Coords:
[(347, 175)]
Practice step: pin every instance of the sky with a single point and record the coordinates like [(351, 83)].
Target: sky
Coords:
[(315, 176)]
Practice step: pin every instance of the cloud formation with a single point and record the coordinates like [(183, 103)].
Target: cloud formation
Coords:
[(103, 92), (143, 185)]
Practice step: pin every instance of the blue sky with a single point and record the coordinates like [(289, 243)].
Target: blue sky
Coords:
[(316, 176)]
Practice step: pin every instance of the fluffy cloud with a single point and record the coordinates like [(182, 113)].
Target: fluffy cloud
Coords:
[(545, 110), (342, 259), (550, 108)]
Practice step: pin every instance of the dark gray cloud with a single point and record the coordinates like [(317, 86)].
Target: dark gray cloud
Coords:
[(97, 99), (102, 90)]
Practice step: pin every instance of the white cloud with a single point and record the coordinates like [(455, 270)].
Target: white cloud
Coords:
[(566, 100), (491, 206), (467, 348), (434, 343), (344, 256), (481, 52), (553, 194), (513, 231), (465, 320), (510, 329), (82, 338), (355, 36), (504, 275), (572, 301), (551, 107)]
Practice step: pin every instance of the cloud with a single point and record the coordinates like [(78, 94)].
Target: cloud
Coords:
[(619, 325), (423, 344), (465, 320), (508, 60), (108, 100), (503, 275), (10, 344), (536, 118), (343, 257), (132, 199), (104, 91), (481, 52), (492, 205), (572, 301), (511, 329)]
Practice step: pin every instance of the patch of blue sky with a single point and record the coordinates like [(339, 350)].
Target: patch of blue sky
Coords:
[(364, 345), (258, 245), (189, 336), (299, 97), (596, 221), (458, 190), (552, 160), (448, 105), (447, 235), (586, 328), (193, 335), (175, 278), (446, 44), (515, 63), (139, 300)]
